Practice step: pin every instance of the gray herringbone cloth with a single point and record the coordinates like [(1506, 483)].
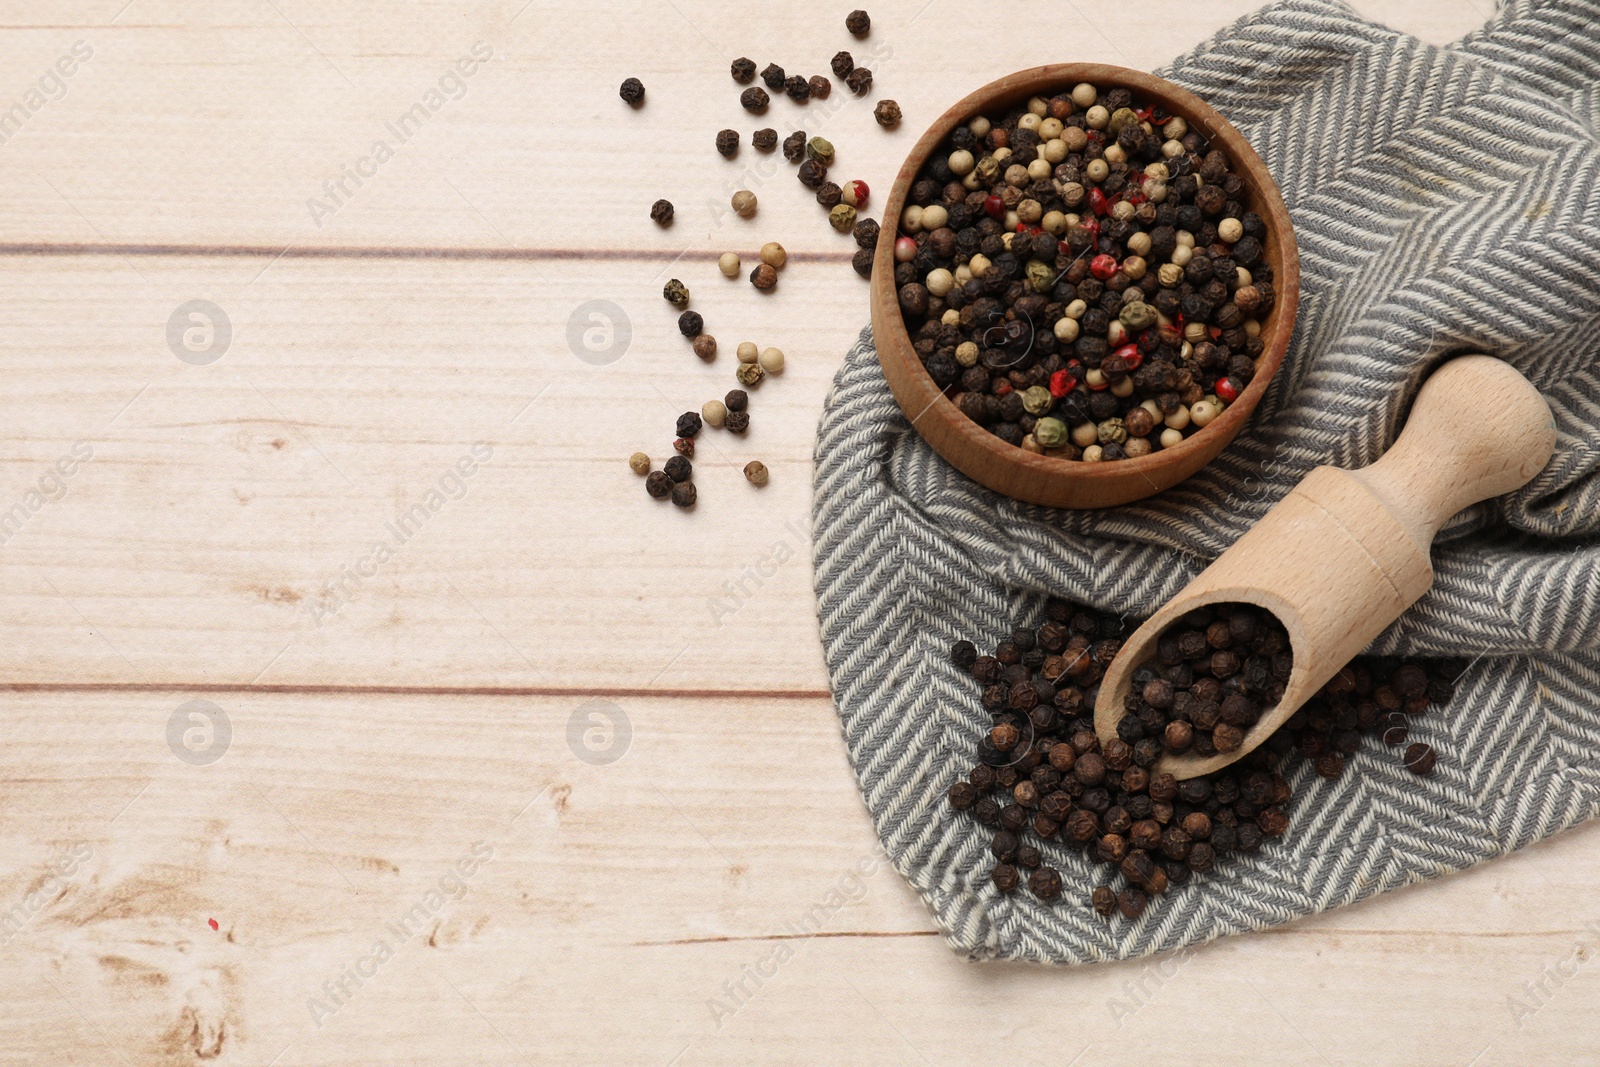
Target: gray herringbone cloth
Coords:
[(1445, 200)]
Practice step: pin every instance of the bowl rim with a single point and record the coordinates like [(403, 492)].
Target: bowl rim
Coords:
[(1267, 201)]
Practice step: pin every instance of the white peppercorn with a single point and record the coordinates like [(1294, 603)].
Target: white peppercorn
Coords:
[(1179, 417), (728, 264), (639, 463), (1084, 95), (714, 413), (935, 216), (1084, 434), (1091, 454), (773, 255), (939, 282), (744, 203), (1066, 329), (1097, 170), (961, 162), (1171, 437), (967, 353), (771, 360), (1203, 411), (1097, 117), (747, 352)]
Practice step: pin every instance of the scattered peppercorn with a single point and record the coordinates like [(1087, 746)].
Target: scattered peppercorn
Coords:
[(772, 74), (887, 113), (829, 194), (764, 140), (862, 262), (821, 87), (743, 70), (678, 469), (684, 446), (714, 413), (705, 346), (764, 276), (736, 400), (797, 88), (856, 194), (1420, 759), (738, 421), (755, 472), (676, 293), (1052, 778), (689, 424), (744, 203), (728, 143), (866, 233), (821, 150), (639, 463), (859, 80), (659, 484), (773, 255), (750, 374), (771, 360), (690, 324), (754, 99), (794, 146), (633, 92), (812, 174), (858, 22), (747, 352), (728, 264), (684, 493), (661, 212), (842, 218), (843, 63)]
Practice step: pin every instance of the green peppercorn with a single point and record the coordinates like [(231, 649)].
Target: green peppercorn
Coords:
[(842, 218), (1036, 400), (749, 373), (1041, 276), (756, 472), (1137, 315), (821, 150), (676, 293), (1112, 431), (639, 463), (1051, 433)]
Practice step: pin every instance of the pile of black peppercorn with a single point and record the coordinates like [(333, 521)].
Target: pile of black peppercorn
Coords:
[(1091, 265), (1044, 780)]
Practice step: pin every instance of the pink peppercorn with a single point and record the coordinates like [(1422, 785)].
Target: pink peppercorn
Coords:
[(1103, 266)]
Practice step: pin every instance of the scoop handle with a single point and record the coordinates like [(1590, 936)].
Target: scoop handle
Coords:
[(1478, 429)]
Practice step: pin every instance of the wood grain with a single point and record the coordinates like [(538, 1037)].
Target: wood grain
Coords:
[(370, 753)]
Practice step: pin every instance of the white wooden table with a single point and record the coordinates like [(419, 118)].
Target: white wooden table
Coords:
[(399, 717)]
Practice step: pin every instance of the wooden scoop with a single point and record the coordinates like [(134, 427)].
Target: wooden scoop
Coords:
[(1346, 552)]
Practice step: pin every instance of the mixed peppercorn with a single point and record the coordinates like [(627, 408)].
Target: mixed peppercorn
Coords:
[(1083, 275), (1044, 781)]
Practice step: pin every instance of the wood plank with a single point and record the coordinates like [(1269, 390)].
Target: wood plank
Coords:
[(627, 899), (532, 150)]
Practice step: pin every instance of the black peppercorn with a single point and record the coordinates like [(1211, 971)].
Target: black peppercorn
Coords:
[(1420, 759), (812, 174), (821, 87), (887, 113), (858, 22), (736, 400), (658, 484), (843, 63), (1005, 877), (678, 469), (797, 88), (862, 262), (690, 324), (728, 143), (754, 99), (764, 276), (1131, 903), (859, 80), (689, 424), (743, 70), (794, 146), (866, 233), (772, 74), (1045, 883), (764, 140), (633, 92), (684, 493), (829, 194), (737, 422), (661, 212)]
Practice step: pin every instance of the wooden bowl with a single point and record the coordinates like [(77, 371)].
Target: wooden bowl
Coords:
[(1065, 483)]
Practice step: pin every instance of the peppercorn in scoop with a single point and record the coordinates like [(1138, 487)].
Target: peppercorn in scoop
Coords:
[(1083, 275)]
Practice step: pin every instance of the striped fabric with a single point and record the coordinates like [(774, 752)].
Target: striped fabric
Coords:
[(1445, 200)]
